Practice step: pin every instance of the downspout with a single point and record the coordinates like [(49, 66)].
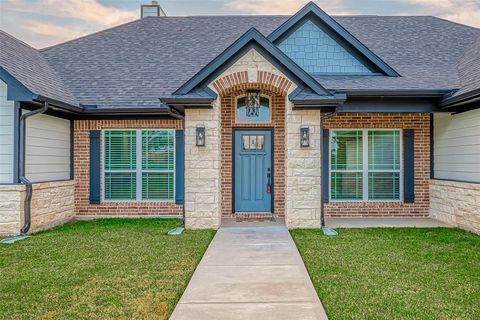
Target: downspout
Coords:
[(21, 166), (322, 204)]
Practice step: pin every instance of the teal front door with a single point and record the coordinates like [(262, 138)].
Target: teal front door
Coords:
[(253, 171)]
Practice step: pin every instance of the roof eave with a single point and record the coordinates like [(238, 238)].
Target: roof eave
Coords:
[(187, 101), (462, 99), (397, 93)]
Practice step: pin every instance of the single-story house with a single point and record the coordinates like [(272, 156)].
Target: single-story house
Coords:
[(207, 117)]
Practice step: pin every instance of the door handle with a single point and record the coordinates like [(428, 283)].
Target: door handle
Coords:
[(269, 182)]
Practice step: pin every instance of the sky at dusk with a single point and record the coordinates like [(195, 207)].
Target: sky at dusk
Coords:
[(43, 23)]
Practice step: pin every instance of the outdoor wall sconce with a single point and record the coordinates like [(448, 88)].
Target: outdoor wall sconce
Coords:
[(200, 136), (304, 137)]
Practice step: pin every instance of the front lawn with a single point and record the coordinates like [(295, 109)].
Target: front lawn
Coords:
[(394, 273), (104, 269)]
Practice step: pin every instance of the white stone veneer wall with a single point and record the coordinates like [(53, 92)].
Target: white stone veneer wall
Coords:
[(456, 203), (202, 169), (303, 178), (52, 204)]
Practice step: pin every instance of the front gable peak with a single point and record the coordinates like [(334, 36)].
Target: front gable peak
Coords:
[(253, 39), (319, 44)]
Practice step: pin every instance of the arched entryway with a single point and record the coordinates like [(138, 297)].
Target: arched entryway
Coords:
[(234, 132)]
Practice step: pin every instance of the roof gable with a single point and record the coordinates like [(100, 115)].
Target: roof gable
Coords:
[(28, 75), (253, 39), (317, 52), (354, 51)]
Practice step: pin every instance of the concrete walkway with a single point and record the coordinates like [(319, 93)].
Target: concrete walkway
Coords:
[(250, 273)]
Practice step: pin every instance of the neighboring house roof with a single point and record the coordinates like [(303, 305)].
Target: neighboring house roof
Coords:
[(24, 66)]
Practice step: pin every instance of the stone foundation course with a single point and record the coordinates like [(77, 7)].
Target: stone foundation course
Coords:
[(52, 204), (456, 203)]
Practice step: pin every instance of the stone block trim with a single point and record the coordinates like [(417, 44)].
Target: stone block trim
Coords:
[(82, 171), (303, 171), (11, 208), (52, 204), (202, 169), (456, 203), (420, 122), (228, 123)]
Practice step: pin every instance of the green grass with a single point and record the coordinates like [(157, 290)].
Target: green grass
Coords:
[(394, 273), (104, 269)]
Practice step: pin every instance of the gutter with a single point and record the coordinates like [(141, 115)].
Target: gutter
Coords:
[(21, 166), (461, 99), (396, 93)]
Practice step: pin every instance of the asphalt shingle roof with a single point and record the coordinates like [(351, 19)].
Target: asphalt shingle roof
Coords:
[(28, 66), (469, 69), (134, 64)]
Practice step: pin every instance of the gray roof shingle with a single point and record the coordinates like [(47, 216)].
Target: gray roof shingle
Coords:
[(28, 66), (469, 69), (134, 64)]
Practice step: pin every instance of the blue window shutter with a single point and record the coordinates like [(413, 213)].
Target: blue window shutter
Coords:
[(179, 166), (325, 165), (95, 163), (408, 166)]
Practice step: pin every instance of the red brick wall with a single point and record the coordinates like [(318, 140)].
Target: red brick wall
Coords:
[(82, 171), (277, 104), (420, 122)]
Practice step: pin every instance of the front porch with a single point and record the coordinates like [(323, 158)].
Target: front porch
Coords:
[(288, 179)]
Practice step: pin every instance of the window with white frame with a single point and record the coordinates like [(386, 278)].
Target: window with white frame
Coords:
[(139, 165), (365, 165)]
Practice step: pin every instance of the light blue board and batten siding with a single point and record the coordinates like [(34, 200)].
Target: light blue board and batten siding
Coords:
[(48, 148), (317, 52), (6, 135), (48, 144), (457, 146)]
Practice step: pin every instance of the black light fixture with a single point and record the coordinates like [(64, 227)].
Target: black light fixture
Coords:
[(304, 137), (200, 136), (252, 103)]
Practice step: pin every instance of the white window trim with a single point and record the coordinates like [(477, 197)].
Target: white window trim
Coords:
[(138, 170), (365, 169), (270, 111)]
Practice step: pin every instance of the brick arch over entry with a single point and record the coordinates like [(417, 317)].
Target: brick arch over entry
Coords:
[(273, 82), (278, 97)]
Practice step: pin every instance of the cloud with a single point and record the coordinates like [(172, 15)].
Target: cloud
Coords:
[(286, 7), (84, 10), (47, 29), (462, 11), (48, 22)]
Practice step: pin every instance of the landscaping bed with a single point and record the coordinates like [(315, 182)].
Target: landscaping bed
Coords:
[(394, 273), (103, 269)]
